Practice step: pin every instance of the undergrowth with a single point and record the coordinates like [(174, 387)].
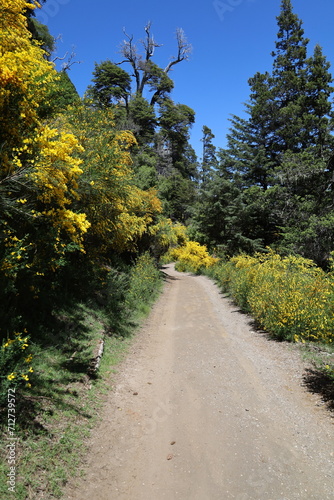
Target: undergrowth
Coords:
[(60, 403), (289, 297)]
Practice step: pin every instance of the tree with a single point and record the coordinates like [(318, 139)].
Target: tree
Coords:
[(39, 169), (112, 85), (41, 33), (209, 159), (175, 121), (289, 79), (143, 116), (59, 96), (318, 113), (145, 71)]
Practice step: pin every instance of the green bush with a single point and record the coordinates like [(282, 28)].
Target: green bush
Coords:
[(144, 282), (15, 364)]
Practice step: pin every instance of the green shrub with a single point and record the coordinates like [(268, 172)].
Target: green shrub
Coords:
[(15, 364)]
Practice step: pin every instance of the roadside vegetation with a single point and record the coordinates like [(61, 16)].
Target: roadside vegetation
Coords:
[(57, 391), (95, 190)]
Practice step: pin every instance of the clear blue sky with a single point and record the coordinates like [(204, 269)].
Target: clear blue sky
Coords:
[(231, 39)]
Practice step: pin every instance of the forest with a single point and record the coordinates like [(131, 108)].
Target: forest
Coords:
[(94, 191)]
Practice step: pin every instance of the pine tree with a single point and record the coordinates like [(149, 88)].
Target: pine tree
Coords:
[(318, 114), (250, 155), (289, 79), (209, 160)]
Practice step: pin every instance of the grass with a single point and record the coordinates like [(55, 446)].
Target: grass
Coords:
[(55, 416), (321, 356)]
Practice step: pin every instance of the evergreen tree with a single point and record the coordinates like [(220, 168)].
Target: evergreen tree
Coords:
[(60, 95), (112, 85), (262, 125), (143, 116), (175, 122), (318, 113), (209, 159), (289, 79)]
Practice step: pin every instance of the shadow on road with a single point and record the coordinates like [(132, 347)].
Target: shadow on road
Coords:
[(167, 277), (320, 383)]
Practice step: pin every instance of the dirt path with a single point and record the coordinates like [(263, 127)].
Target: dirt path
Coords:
[(206, 409)]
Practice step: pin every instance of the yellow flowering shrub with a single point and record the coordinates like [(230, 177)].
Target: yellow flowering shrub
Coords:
[(15, 363), (55, 175), (119, 212), (288, 296), (25, 76), (164, 235), (39, 165), (191, 257)]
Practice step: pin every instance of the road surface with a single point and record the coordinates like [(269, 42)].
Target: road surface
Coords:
[(204, 408)]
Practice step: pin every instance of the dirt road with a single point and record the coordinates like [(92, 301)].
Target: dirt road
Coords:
[(206, 409)]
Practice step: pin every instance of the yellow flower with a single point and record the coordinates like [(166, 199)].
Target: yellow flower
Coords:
[(29, 358), (31, 370), (9, 341), (11, 376), (25, 377), (28, 385)]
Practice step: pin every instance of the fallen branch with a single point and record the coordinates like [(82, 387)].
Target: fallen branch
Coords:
[(97, 359)]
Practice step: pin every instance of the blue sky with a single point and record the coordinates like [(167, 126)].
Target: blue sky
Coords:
[(231, 39)]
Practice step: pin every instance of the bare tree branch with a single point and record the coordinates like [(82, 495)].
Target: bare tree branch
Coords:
[(129, 51), (67, 65), (184, 50), (149, 44), (142, 65)]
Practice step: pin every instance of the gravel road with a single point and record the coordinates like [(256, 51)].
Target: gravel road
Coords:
[(204, 408)]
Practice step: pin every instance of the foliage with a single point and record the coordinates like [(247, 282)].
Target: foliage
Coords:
[(111, 84), (288, 296), (25, 76), (273, 184), (15, 364), (69, 201), (59, 97), (191, 257), (144, 280), (120, 213), (209, 159), (160, 126), (39, 173)]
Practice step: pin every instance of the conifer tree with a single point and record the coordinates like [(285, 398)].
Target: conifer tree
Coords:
[(318, 114), (289, 79), (209, 160)]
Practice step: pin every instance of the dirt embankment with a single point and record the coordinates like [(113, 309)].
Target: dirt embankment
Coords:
[(206, 409)]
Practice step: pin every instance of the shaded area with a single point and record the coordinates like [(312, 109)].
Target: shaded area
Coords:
[(318, 382)]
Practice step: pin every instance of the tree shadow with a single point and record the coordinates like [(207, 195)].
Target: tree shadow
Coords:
[(315, 381), (167, 277), (320, 383)]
